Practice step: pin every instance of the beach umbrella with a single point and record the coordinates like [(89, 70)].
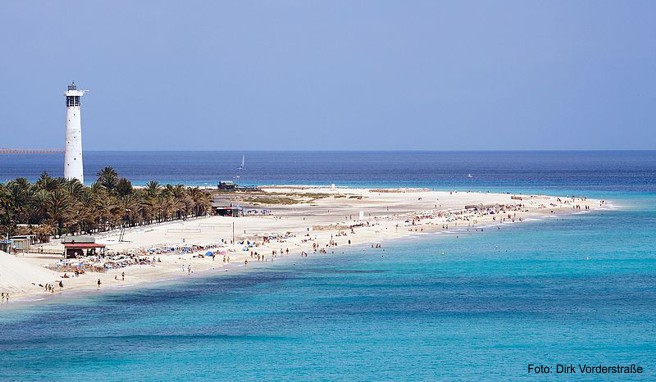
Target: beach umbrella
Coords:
[(209, 253)]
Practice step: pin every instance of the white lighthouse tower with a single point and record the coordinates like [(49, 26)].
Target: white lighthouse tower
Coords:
[(73, 155)]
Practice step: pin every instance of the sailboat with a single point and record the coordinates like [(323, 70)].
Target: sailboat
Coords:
[(241, 167)]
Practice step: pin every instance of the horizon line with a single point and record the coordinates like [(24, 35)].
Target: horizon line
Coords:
[(51, 151)]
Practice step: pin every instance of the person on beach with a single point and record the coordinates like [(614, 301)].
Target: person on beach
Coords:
[(98, 283), (123, 276)]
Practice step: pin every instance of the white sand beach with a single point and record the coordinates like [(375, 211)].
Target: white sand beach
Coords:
[(341, 218)]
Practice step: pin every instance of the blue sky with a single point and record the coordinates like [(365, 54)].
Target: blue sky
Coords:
[(326, 75)]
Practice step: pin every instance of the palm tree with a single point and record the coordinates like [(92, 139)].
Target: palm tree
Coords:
[(20, 192), (57, 205), (152, 188), (37, 209), (46, 182), (74, 188), (108, 177), (201, 201), (124, 187), (59, 209), (103, 204), (6, 210), (87, 218), (128, 210)]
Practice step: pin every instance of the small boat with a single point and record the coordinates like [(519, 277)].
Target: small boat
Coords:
[(241, 167), (469, 176)]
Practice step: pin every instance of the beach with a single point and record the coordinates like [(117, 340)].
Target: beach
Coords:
[(318, 221)]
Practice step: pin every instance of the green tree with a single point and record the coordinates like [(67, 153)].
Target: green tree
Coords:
[(59, 209), (108, 178), (60, 206), (152, 188), (124, 187), (46, 182)]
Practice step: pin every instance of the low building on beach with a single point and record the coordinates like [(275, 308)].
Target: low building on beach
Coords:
[(22, 243), (230, 186), (227, 185), (223, 207), (81, 246), (5, 245)]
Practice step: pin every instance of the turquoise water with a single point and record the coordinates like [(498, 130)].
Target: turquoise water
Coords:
[(472, 306), (481, 306)]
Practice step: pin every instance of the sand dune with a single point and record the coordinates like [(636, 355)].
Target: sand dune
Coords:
[(19, 276)]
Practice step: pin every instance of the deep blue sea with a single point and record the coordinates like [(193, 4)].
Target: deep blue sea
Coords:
[(482, 306), (500, 170)]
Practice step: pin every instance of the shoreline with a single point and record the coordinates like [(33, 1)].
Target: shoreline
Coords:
[(388, 217), (240, 269)]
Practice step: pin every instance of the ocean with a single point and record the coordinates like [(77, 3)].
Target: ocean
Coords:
[(498, 170), (575, 290)]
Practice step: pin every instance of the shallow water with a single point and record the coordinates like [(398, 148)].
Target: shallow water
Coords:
[(479, 306)]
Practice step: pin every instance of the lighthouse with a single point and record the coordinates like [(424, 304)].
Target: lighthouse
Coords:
[(73, 154)]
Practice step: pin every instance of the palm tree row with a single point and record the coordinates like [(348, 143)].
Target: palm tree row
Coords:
[(57, 206)]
